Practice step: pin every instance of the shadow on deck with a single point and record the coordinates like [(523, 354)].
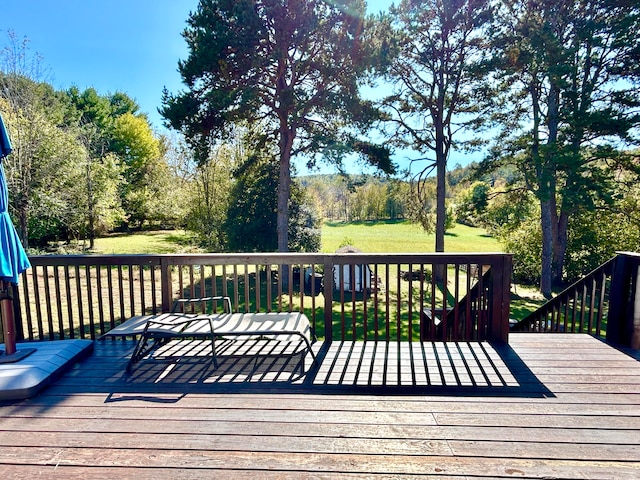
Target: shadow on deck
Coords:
[(436, 368)]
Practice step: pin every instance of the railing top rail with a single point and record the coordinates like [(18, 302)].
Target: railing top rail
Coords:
[(257, 258), (82, 260), (634, 255), (605, 268)]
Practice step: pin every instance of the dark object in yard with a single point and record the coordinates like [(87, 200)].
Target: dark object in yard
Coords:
[(416, 275)]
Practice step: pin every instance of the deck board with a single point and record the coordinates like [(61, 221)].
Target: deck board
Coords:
[(546, 406)]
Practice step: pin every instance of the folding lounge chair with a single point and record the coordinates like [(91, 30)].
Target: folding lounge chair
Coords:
[(159, 329), (155, 330)]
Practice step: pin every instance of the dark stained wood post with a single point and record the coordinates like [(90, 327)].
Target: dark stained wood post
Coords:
[(500, 298), (623, 301), (165, 284), (328, 299)]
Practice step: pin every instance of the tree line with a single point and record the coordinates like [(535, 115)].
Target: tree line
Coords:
[(550, 88)]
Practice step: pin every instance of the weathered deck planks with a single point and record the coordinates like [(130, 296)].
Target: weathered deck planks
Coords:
[(547, 406)]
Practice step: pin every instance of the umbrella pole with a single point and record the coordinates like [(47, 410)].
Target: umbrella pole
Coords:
[(8, 322)]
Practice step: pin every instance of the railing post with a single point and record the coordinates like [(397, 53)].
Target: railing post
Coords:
[(500, 298), (624, 311), (165, 284), (328, 299)]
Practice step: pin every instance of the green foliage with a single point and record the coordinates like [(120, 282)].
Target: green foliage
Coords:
[(525, 244), (471, 204), (251, 217), (96, 207), (356, 197), (567, 95), (292, 67), (83, 163), (508, 211), (595, 237), (208, 197)]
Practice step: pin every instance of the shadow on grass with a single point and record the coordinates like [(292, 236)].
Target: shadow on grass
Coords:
[(523, 306)]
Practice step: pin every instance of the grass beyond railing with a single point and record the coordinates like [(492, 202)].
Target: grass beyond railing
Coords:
[(602, 303), (371, 297), (581, 308)]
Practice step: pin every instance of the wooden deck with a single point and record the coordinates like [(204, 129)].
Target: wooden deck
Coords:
[(546, 406)]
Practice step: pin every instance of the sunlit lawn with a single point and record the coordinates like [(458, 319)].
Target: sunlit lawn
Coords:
[(161, 241), (402, 236), (369, 237)]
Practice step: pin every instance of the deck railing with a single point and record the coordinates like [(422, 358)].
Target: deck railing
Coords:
[(371, 297), (605, 303)]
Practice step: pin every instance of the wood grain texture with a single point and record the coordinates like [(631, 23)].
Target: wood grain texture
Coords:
[(546, 406)]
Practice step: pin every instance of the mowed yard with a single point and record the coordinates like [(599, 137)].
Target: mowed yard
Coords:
[(369, 237)]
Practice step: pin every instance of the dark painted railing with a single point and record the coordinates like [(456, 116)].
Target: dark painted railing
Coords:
[(605, 303), (371, 297)]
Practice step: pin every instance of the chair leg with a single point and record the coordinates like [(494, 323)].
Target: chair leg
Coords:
[(138, 352), (214, 357)]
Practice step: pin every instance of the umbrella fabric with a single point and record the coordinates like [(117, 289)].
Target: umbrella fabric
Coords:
[(13, 259), (5, 144)]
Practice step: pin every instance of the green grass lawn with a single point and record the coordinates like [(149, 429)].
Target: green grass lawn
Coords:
[(161, 241), (369, 237), (402, 236)]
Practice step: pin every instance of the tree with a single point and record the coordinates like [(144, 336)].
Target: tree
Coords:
[(134, 142), (436, 82), (471, 204), (252, 214), (569, 77), (209, 200), (44, 151), (292, 66)]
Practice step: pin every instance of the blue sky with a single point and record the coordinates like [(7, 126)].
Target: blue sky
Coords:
[(131, 46)]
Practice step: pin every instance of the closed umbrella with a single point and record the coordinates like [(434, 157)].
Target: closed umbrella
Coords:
[(13, 259)]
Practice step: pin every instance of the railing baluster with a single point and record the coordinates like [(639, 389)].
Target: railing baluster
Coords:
[(132, 302), (36, 289), (79, 303), (393, 315), (471, 319), (99, 294), (154, 299), (47, 296), (592, 302), (121, 293), (268, 274), (398, 303), (26, 298), (90, 301), (112, 317), (387, 297), (56, 278)]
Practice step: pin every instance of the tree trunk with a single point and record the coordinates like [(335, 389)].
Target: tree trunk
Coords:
[(441, 152), (561, 238), (441, 210), (284, 189), (547, 247), (23, 220)]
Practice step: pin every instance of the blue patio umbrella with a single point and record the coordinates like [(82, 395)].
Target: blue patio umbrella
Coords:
[(13, 259)]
